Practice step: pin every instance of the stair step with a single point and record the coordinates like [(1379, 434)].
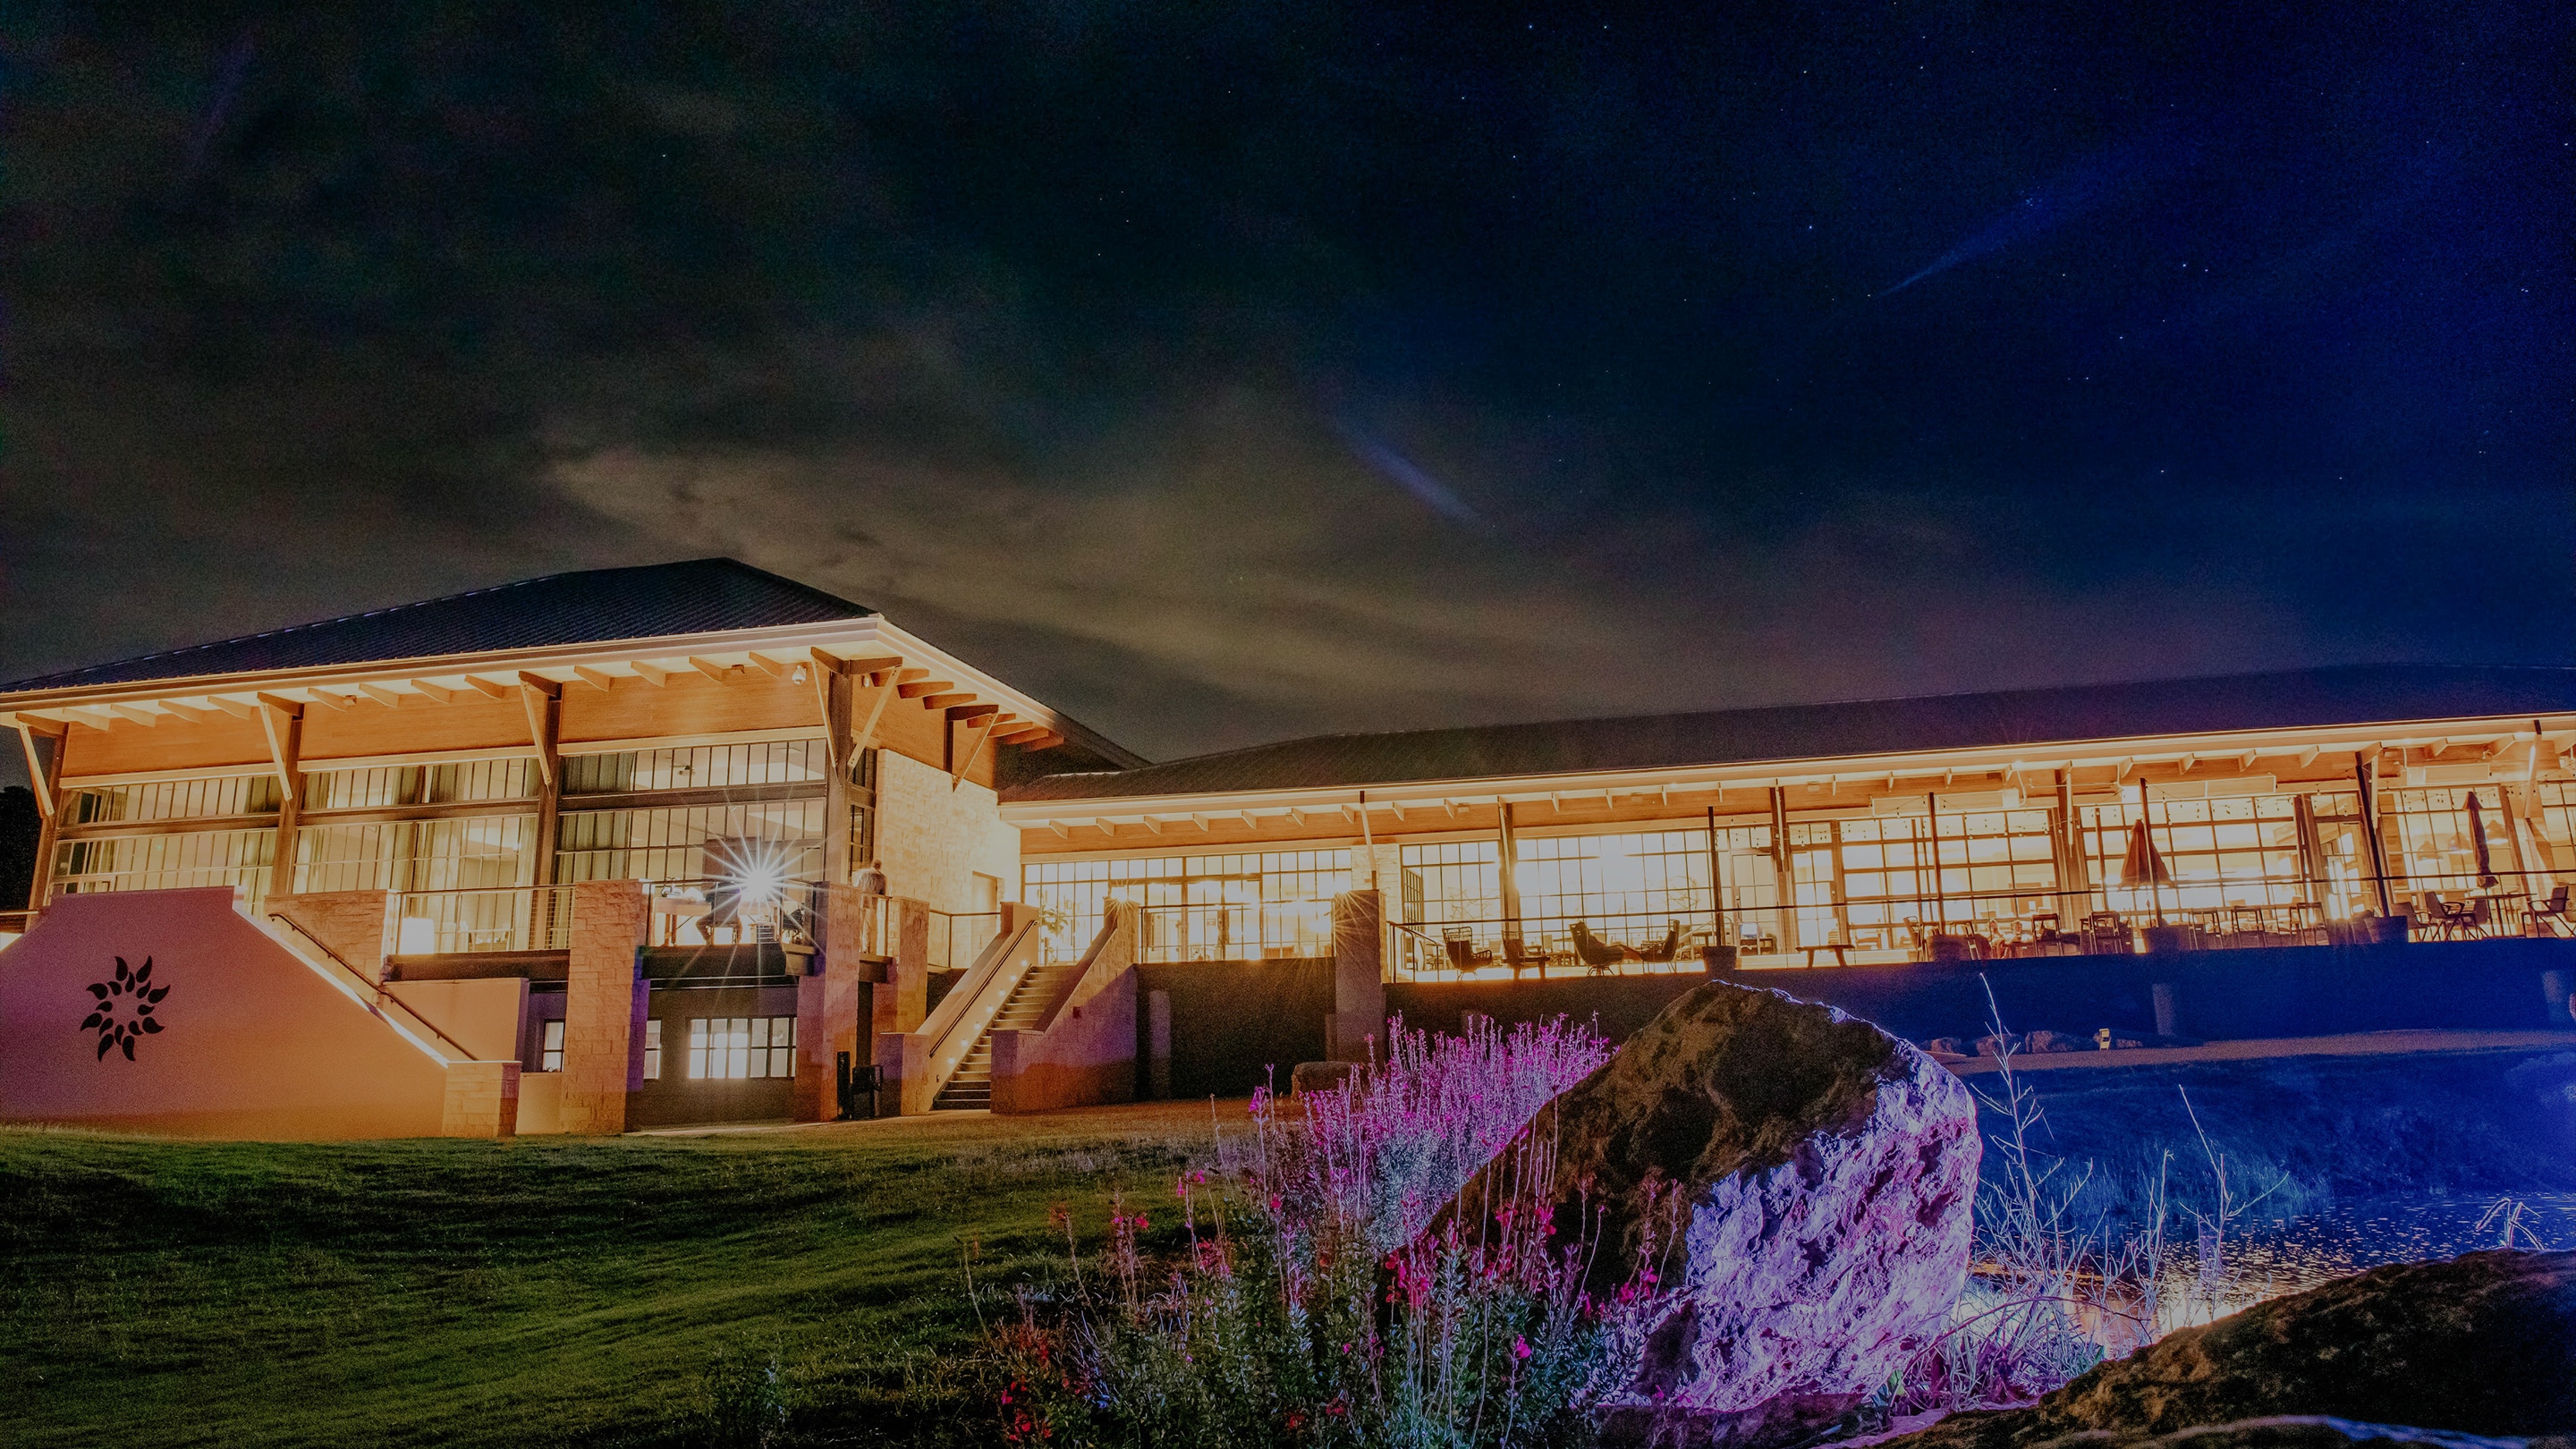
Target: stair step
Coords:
[(971, 1086)]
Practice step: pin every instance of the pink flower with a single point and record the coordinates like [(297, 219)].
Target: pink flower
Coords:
[(1520, 1347)]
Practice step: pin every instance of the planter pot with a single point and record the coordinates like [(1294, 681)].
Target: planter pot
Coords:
[(2388, 930), (1715, 959)]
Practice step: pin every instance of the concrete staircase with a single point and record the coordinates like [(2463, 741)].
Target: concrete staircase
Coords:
[(971, 1088)]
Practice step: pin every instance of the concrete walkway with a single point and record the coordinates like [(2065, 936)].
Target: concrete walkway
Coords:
[(2359, 1044)]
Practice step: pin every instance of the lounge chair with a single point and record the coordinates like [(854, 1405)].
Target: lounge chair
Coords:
[(1665, 949), (1460, 944), (1598, 954), (2552, 912)]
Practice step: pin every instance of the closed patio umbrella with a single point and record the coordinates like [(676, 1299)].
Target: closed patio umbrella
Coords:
[(2478, 842), (2143, 865)]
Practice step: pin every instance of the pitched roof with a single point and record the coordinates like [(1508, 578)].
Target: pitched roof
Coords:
[(2349, 694), (700, 596)]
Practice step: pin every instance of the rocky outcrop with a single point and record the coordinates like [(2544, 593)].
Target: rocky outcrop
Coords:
[(2484, 1344), (1815, 1178)]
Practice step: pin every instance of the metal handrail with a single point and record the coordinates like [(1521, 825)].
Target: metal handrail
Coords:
[(376, 989)]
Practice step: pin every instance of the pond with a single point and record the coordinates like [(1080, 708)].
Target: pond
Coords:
[(2289, 1255)]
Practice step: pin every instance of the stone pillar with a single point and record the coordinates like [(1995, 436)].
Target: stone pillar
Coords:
[(355, 926), (482, 1100), (1359, 977), (603, 1051), (903, 1074), (2168, 1008), (905, 1000), (830, 1007)]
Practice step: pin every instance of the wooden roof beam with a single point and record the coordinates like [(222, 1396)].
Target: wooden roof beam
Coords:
[(490, 687), (786, 669), (595, 678), (136, 713), (652, 673), (720, 673), (872, 664), (390, 699), (438, 693)]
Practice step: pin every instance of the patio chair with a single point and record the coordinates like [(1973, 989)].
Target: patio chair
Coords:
[(2104, 933), (2552, 912), (1518, 955), (1665, 949), (2453, 919), (1596, 953), (1460, 944)]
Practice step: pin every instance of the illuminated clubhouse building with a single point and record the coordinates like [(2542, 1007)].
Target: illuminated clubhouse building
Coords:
[(583, 853)]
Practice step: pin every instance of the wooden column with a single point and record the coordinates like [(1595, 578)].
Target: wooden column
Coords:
[(543, 700), (1507, 854), (2365, 769), (2074, 871), (837, 695), (283, 719), (44, 777)]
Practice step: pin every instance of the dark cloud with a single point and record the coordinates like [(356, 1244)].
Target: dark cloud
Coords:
[(1226, 374)]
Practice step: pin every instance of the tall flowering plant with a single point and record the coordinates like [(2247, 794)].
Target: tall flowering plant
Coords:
[(1321, 1286)]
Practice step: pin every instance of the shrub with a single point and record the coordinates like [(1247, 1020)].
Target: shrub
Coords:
[(1311, 1292)]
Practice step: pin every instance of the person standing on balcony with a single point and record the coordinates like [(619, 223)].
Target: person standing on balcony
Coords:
[(871, 883)]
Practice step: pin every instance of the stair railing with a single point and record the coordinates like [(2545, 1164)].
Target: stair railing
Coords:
[(368, 992), (969, 1008), (1066, 989)]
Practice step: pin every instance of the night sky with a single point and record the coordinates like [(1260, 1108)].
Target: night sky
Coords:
[(1219, 374)]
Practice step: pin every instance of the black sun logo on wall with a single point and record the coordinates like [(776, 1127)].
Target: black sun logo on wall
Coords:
[(125, 1006)]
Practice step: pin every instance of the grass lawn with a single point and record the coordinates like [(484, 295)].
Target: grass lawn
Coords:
[(543, 1291)]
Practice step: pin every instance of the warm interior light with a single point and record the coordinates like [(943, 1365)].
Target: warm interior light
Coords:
[(418, 936)]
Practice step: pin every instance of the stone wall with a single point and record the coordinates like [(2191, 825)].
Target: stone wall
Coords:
[(934, 839), (354, 925), (482, 1100)]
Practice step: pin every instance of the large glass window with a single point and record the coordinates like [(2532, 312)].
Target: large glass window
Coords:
[(702, 767), (2238, 851), (415, 855), (2430, 844), (174, 800), (731, 1048), (465, 781), (674, 844), (167, 862), (1202, 907)]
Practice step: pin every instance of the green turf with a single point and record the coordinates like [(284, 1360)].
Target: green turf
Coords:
[(543, 1291)]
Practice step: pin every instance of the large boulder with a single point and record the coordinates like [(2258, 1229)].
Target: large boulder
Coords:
[(1816, 1179), (2483, 1344)]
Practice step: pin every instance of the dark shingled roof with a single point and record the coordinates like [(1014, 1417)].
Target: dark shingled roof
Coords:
[(701, 596), (2350, 694)]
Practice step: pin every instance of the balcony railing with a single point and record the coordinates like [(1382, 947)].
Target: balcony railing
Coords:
[(2179, 915), (958, 937), (1236, 931), (496, 918)]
